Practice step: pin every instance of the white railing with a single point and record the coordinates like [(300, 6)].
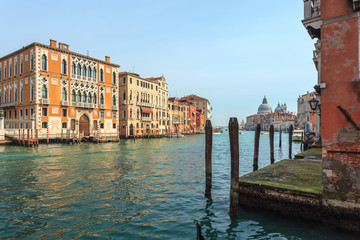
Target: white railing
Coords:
[(146, 119), (102, 106), (64, 103), (9, 104), (114, 107)]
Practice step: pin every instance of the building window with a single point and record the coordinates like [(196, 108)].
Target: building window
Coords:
[(15, 94), (32, 91), (114, 125), (73, 96), (64, 125), (44, 62), (84, 71), (124, 114), (44, 112), (10, 69), (31, 62), (26, 113), (84, 98), (95, 98), (15, 69), (64, 94), (102, 115), (130, 80), (114, 115), (114, 78), (0, 72), (137, 82), (101, 75), (79, 96), (89, 72), (64, 112), (124, 80), (15, 114), (21, 67), (9, 114), (5, 75), (114, 100), (21, 93), (79, 69), (101, 98), (89, 98), (94, 73), (101, 125), (32, 113), (73, 69), (63, 66), (44, 92), (44, 124)]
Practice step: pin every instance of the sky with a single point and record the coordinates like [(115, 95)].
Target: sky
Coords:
[(232, 52)]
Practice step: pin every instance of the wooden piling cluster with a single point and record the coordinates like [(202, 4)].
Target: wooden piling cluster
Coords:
[(30, 140)]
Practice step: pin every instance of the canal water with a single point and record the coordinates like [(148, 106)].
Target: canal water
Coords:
[(148, 189)]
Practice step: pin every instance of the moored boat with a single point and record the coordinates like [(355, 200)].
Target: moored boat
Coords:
[(296, 137)]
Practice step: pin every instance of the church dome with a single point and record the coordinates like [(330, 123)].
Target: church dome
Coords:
[(264, 108), (278, 109)]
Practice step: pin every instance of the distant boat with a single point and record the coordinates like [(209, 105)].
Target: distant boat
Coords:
[(177, 135), (217, 130), (240, 132), (264, 133), (296, 137)]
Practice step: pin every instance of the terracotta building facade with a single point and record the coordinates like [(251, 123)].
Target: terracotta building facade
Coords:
[(336, 26)]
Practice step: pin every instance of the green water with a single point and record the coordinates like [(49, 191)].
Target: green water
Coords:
[(148, 189)]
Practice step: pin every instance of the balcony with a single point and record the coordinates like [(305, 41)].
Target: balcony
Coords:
[(102, 106), (312, 19), (9, 104), (164, 108), (114, 107), (146, 119), (158, 106), (131, 102), (64, 103), (44, 101)]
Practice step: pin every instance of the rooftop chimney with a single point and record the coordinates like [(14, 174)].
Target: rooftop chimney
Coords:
[(53, 43), (107, 59)]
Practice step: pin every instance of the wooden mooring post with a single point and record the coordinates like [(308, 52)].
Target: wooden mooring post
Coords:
[(290, 141), (302, 142), (256, 148), (234, 150), (208, 151), (271, 135), (23, 138), (37, 137), (280, 138), (28, 137)]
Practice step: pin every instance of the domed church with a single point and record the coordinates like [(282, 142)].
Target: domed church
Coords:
[(264, 108)]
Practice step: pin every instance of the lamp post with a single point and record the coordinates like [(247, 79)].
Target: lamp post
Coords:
[(314, 105)]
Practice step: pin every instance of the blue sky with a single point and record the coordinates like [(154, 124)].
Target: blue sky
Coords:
[(231, 52)]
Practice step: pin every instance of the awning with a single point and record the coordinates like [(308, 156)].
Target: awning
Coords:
[(146, 110)]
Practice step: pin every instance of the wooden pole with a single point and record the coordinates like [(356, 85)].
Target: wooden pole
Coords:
[(79, 137), (37, 137), (23, 138), (271, 134), (28, 137), (47, 134), (234, 150), (208, 151), (73, 138), (32, 136), (280, 137), (301, 142), (290, 141), (256, 147)]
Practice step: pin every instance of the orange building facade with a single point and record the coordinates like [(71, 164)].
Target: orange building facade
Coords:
[(49, 87)]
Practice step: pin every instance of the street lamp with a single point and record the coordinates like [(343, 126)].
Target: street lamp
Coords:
[(314, 104)]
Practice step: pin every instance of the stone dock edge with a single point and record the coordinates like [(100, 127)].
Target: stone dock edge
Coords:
[(299, 204)]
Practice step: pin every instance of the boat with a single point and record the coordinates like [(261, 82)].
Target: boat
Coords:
[(264, 133), (174, 135), (296, 137), (217, 130), (240, 132)]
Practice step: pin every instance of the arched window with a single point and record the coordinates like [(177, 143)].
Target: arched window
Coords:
[(10, 93), (73, 69), (44, 92), (114, 78), (78, 70), (64, 94), (84, 97), (79, 96), (101, 75), (90, 98), (89, 72), (130, 96), (124, 96), (63, 66), (4, 95), (94, 73), (21, 66), (15, 68), (44, 62), (73, 96), (114, 100), (102, 98), (32, 92), (15, 94), (84, 71), (95, 98)]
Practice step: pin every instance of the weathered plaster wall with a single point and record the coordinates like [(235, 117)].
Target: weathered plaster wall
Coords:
[(340, 72)]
